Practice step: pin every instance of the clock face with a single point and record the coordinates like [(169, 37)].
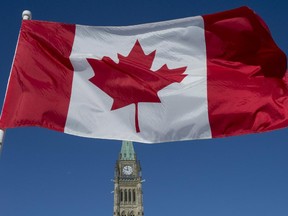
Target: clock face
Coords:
[(127, 170)]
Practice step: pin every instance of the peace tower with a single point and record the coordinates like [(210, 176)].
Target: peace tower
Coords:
[(128, 196)]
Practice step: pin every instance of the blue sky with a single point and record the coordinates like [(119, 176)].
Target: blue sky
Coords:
[(44, 172)]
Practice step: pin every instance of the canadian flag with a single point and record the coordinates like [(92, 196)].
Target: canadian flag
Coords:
[(193, 78)]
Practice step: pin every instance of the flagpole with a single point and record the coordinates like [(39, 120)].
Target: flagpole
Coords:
[(26, 15), (2, 133)]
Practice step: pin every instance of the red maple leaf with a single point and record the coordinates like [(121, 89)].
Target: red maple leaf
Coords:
[(131, 81)]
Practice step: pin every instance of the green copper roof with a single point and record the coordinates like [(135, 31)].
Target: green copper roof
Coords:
[(127, 151)]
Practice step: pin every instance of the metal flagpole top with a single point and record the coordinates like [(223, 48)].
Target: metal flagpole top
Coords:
[(26, 15)]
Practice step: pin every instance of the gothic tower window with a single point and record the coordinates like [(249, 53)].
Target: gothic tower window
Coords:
[(134, 196), (129, 195), (121, 195), (125, 196)]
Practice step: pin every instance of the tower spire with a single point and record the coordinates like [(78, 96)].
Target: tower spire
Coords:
[(127, 151)]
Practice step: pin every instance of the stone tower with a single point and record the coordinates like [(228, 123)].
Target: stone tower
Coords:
[(128, 196)]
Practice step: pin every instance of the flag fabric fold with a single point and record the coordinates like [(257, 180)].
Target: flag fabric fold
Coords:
[(193, 78)]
